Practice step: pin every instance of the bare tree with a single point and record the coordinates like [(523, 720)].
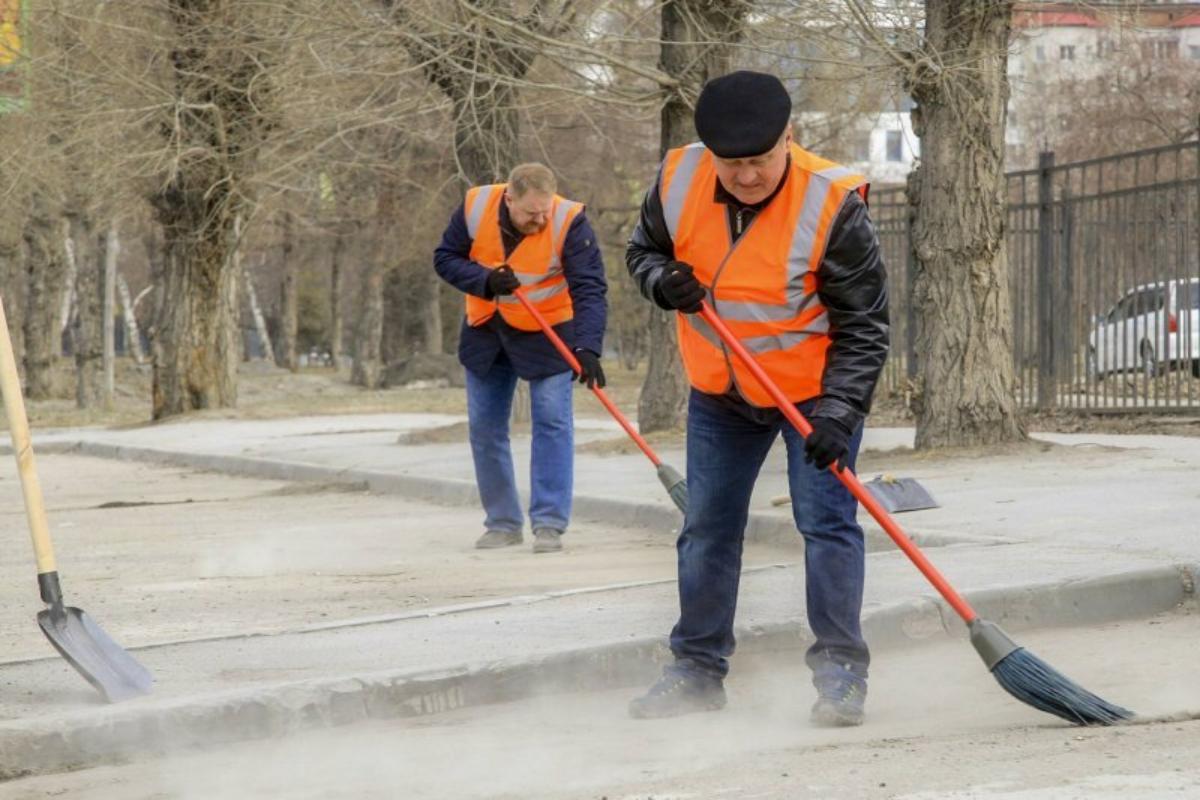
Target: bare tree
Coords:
[(45, 271), (219, 115), (958, 78), (288, 307), (108, 298), (697, 35), (476, 55), (87, 329), (1144, 100)]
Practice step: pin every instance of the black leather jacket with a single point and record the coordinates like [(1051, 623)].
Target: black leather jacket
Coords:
[(851, 282)]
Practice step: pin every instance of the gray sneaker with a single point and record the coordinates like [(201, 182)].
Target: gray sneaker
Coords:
[(547, 540), (841, 696), (492, 540), (678, 693)]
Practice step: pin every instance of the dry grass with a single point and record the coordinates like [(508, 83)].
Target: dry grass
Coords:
[(266, 392)]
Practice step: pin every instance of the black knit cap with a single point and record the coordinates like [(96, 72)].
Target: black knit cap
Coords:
[(742, 114)]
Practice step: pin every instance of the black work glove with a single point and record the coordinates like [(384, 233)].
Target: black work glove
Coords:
[(828, 442), (590, 371), (679, 287), (502, 280)]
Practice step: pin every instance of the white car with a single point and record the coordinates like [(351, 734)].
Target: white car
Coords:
[(1151, 329)]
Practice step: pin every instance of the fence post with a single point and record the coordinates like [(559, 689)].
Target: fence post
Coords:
[(1067, 321), (910, 311), (1046, 284)]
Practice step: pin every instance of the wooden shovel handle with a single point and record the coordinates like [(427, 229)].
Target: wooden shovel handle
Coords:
[(18, 427)]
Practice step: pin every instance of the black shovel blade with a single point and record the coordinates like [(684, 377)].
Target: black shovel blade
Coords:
[(103, 662)]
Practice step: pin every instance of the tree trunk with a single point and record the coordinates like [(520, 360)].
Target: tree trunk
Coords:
[(45, 273), (335, 298), (260, 324), (13, 282), (431, 313), (697, 35), (112, 248), (87, 332), (67, 305), (230, 344), (288, 311), (133, 336), (194, 332), (368, 365), (219, 111), (964, 319)]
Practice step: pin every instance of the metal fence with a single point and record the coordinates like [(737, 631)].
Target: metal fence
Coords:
[(1104, 277)]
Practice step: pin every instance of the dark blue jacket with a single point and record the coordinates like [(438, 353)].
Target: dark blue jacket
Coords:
[(530, 353)]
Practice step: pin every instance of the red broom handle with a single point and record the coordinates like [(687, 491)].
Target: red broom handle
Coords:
[(846, 476), (573, 363)]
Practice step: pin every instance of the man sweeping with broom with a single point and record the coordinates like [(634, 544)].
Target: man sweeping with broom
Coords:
[(521, 235), (781, 241), (767, 253)]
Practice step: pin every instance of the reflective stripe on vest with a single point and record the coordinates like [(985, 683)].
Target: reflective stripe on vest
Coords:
[(773, 306), (536, 261)]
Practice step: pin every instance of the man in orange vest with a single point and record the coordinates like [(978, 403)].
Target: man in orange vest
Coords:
[(523, 235), (780, 243)]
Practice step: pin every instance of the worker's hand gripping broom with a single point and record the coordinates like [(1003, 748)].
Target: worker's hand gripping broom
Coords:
[(1022, 674)]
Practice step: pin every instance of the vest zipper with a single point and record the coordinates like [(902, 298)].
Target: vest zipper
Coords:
[(713, 290)]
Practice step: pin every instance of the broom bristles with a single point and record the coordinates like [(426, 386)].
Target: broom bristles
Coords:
[(675, 485), (1034, 682), (679, 494)]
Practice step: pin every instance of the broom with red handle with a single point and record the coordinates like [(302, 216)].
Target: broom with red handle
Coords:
[(670, 478), (1022, 674)]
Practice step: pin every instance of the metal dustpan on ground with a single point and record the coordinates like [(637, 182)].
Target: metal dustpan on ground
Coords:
[(900, 494), (105, 665)]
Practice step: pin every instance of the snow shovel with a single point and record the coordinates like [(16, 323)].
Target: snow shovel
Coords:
[(670, 478), (74, 635), (1020, 673)]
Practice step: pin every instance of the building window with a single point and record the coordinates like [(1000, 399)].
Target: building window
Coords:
[(1160, 48), (1066, 52), (1194, 51), (895, 146), (1039, 53)]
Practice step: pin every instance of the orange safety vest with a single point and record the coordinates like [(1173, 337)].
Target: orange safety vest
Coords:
[(537, 260), (764, 286)]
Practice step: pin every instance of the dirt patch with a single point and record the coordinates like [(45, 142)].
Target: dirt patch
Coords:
[(900, 457), (623, 446), (425, 370), (1140, 423), (453, 433)]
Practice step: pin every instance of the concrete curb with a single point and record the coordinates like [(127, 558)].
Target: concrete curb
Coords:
[(120, 733), (761, 528)]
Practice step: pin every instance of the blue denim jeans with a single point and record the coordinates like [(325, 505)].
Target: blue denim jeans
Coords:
[(551, 468), (726, 446)]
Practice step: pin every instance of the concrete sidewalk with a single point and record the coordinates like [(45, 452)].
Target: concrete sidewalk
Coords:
[(1078, 530), (1119, 493)]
